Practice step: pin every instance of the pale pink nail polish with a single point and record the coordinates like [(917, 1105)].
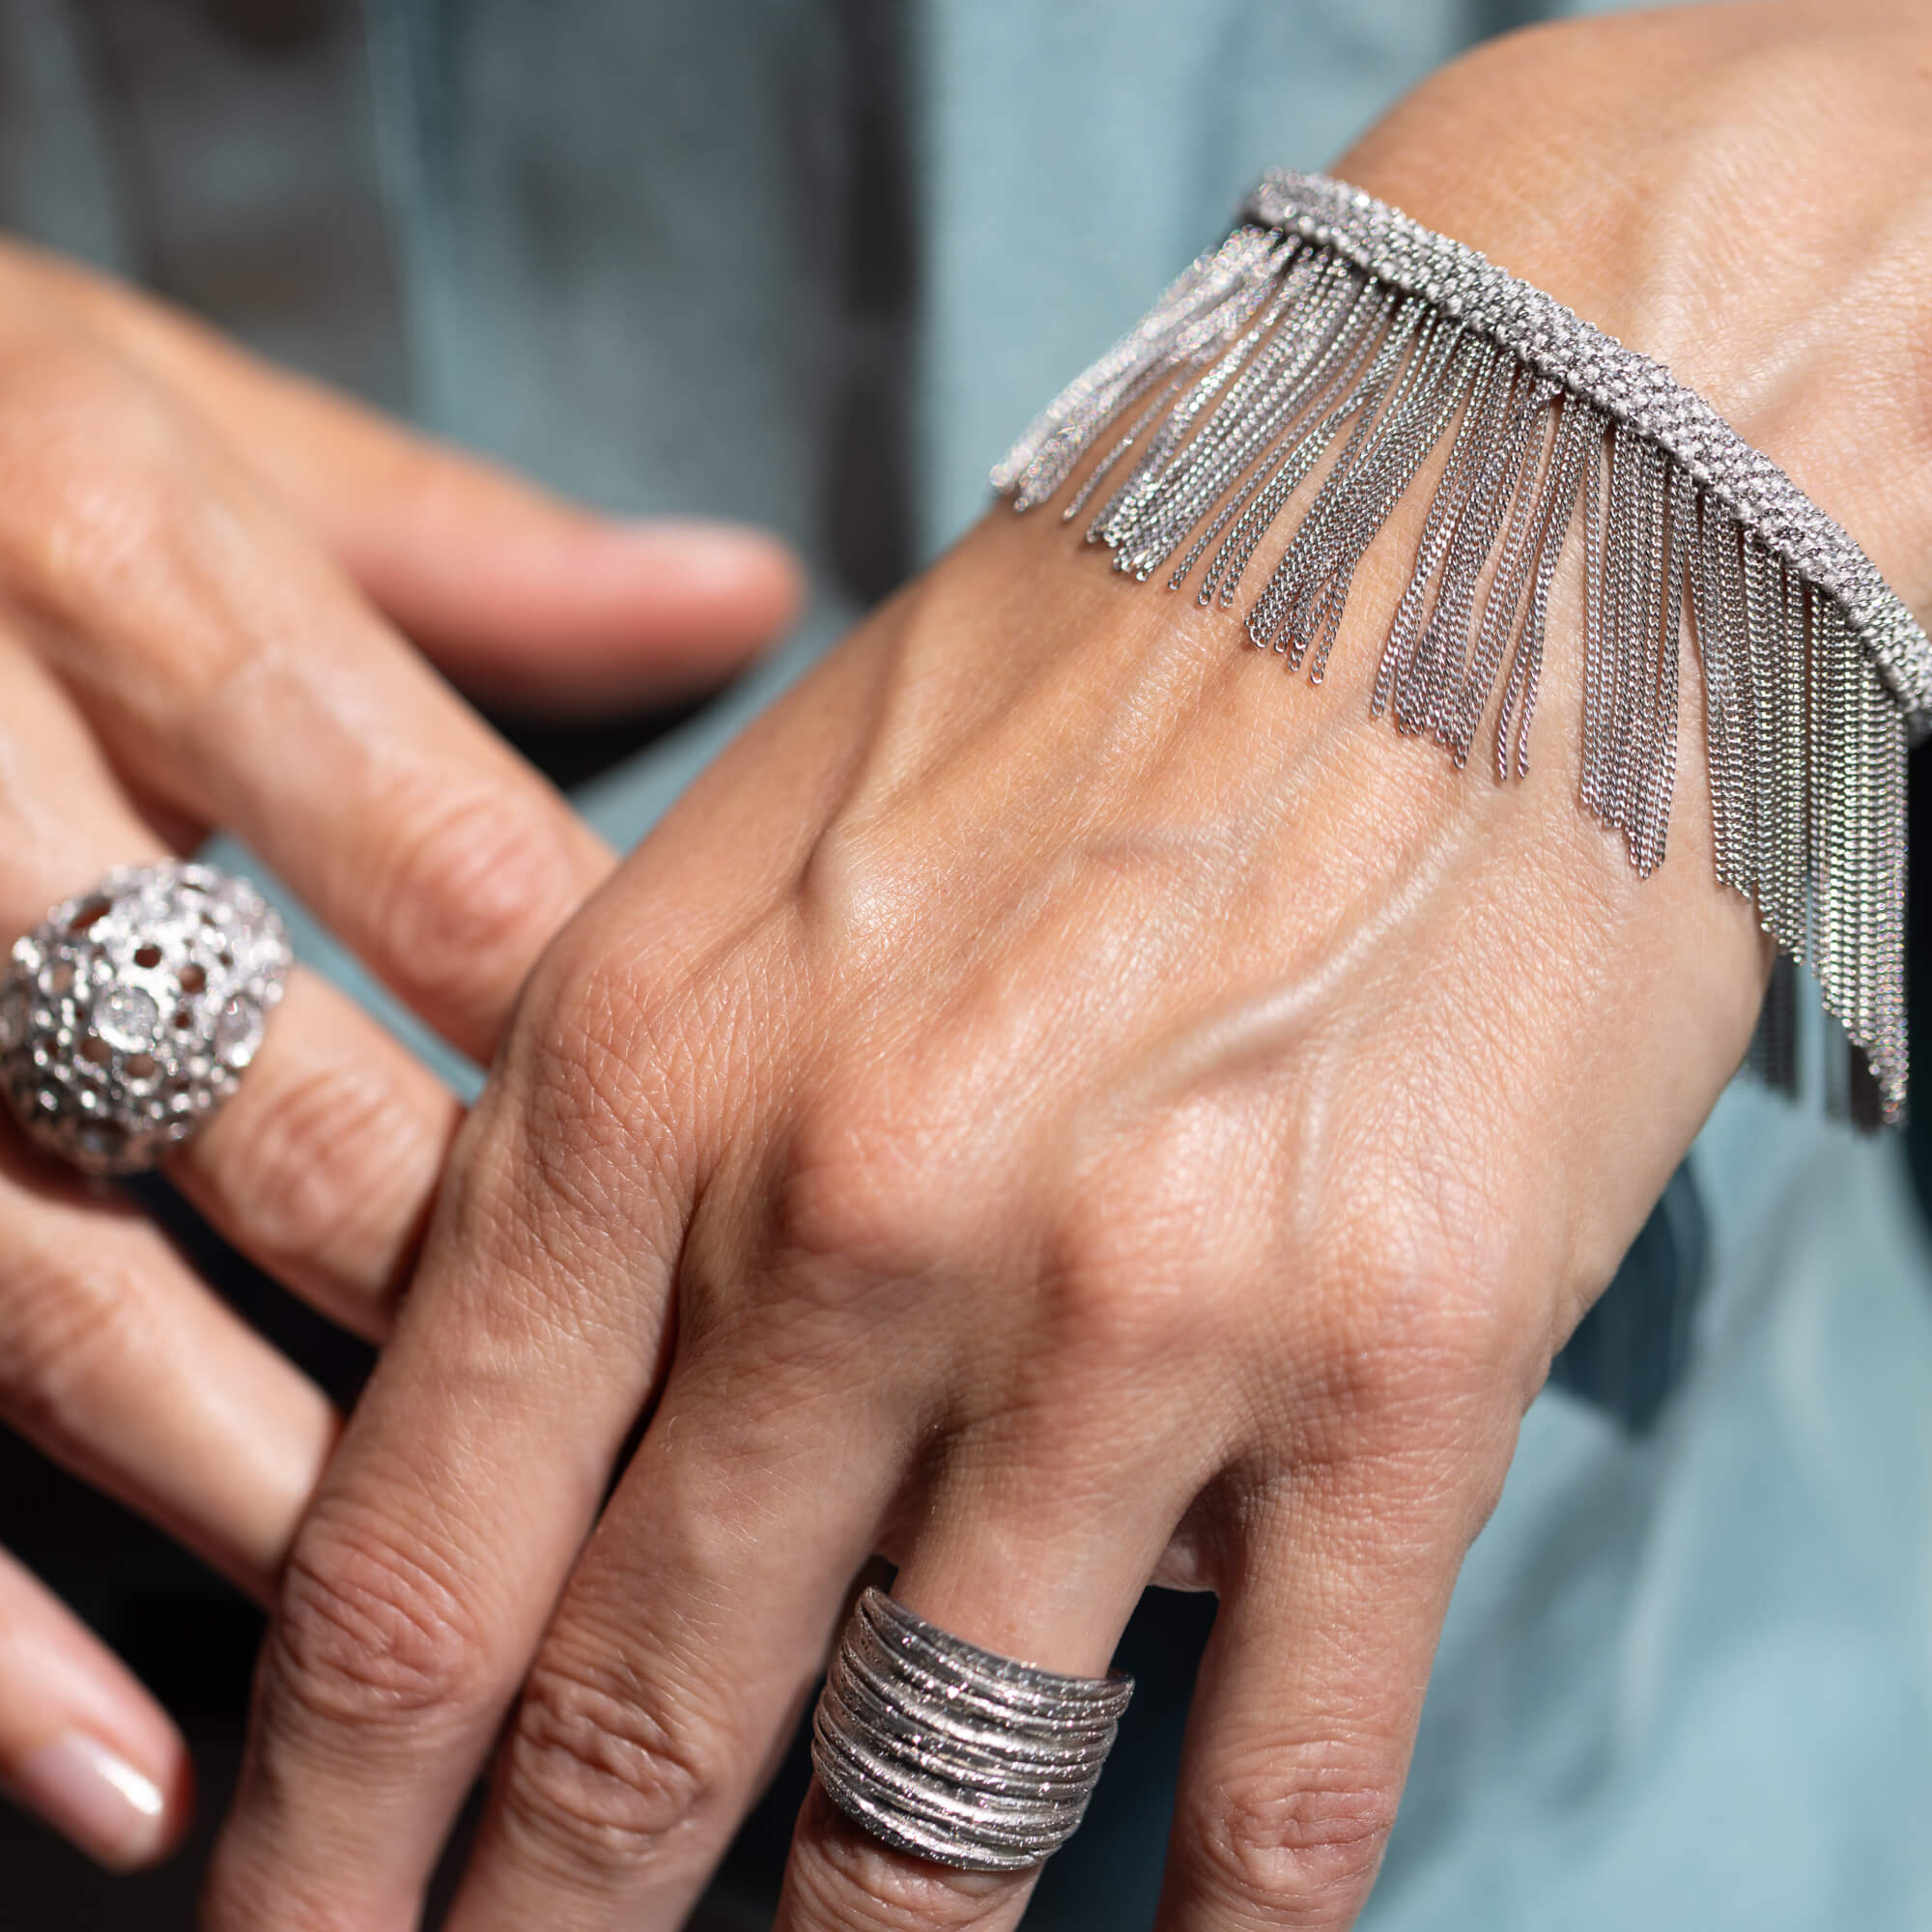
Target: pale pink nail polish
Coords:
[(707, 556), (80, 1787)]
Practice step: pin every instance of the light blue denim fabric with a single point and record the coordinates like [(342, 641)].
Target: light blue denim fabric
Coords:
[(1687, 1681)]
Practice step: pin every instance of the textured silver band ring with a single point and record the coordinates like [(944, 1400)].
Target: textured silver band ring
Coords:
[(956, 1753), (128, 1015)]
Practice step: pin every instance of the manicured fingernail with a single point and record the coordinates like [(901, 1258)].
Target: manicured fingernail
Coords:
[(704, 555), (96, 1797)]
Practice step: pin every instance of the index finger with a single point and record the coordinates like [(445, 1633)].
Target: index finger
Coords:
[(236, 677), (477, 565), (453, 1510)]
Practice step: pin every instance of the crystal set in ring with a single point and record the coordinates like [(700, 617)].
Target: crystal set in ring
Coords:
[(956, 1753), (128, 1016)]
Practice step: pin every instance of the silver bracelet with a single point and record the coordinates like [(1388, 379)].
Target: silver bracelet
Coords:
[(1329, 324)]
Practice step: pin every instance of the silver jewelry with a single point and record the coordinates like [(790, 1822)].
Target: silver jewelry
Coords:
[(130, 1014), (956, 1753), (1329, 323)]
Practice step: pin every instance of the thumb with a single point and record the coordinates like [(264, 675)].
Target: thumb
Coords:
[(522, 598)]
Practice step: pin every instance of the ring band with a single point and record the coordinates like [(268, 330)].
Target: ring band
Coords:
[(130, 1014), (956, 1753)]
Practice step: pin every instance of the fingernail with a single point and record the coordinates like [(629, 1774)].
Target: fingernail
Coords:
[(98, 1799), (705, 555)]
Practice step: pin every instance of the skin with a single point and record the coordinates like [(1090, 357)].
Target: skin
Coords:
[(1060, 1108), (210, 578), (1053, 1106)]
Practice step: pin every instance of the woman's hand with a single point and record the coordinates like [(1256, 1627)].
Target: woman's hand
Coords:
[(1060, 1105), (207, 571)]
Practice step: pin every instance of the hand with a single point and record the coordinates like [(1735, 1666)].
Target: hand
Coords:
[(206, 573), (1061, 1106)]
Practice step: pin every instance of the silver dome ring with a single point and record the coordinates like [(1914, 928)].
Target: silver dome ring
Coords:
[(128, 1015)]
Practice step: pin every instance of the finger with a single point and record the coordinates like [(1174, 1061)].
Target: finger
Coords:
[(421, 1582), (82, 1745), (518, 595), (683, 1649), (1020, 1553), (122, 1366), (1306, 1707), (233, 673), (323, 1166)]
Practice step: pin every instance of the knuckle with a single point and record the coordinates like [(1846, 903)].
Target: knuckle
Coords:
[(1295, 1849), (93, 461), (866, 1192), (326, 1158), (586, 1047), (1395, 1361), (598, 1776), (368, 1634), (74, 1330), (1125, 1280), (1400, 1311), (473, 892), (607, 1079), (842, 1877), (1144, 1267)]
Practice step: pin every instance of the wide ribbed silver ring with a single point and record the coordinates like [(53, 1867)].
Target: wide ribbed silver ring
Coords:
[(956, 1753), (130, 1014)]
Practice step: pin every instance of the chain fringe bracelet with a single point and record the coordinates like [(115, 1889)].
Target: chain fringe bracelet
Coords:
[(1330, 323)]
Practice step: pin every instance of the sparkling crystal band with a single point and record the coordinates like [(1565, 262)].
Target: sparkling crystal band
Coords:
[(954, 1752), (1330, 327), (128, 1016)]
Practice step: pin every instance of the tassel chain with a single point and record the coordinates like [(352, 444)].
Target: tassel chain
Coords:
[(1330, 326)]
